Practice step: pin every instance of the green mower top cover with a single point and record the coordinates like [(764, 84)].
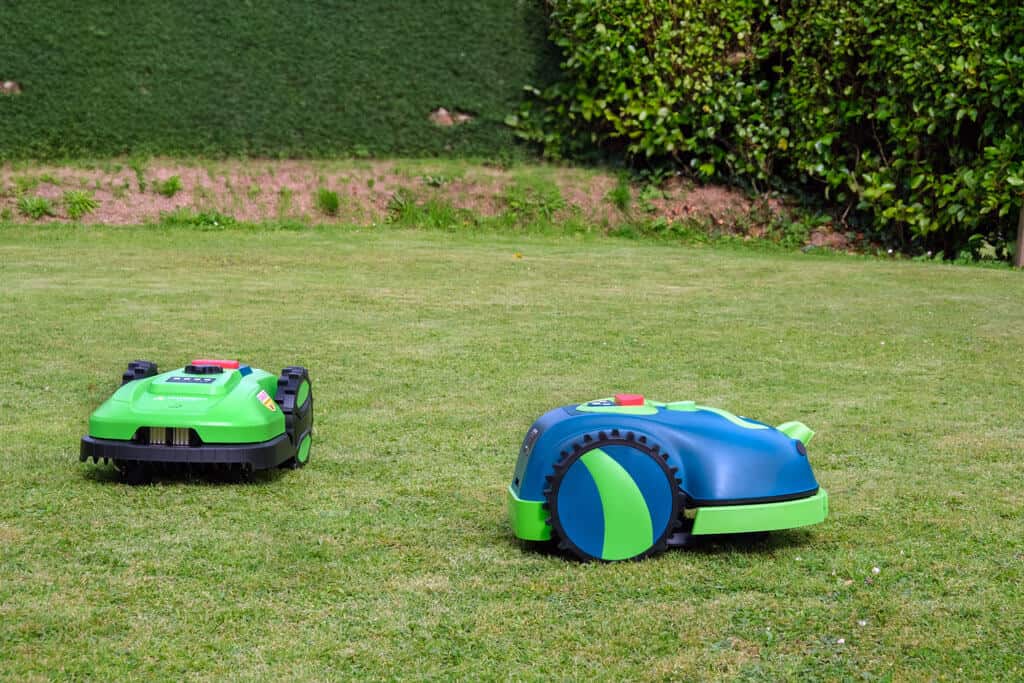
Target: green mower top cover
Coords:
[(210, 412)]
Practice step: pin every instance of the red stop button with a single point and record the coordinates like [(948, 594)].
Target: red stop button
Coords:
[(226, 364), (629, 399)]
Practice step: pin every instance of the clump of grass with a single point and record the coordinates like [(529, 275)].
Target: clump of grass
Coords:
[(139, 168), (35, 207), (254, 191), (284, 202), (532, 200), (649, 196), (402, 206), (6, 214), (404, 210), (327, 201), (621, 196), (25, 183), (169, 187), (78, 203), (203, 219), (436, 180)]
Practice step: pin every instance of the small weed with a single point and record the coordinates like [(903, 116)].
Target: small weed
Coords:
[(621, 196), (47, 178), (648, 196), (79, 203), (436, 214), (6, 214), (370, 182), (327, 201), (532, 201), (254, 191), (35, 207), (24, 183), (139, 167), (203, 195), (436, 180), (202, 219), (169, 187), (284, 202), (401, 206), (120, 191)]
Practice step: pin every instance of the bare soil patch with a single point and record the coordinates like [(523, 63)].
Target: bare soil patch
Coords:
[(265, 190)]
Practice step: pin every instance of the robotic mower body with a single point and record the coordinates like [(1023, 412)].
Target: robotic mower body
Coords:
[(210, 412), (624, 477)]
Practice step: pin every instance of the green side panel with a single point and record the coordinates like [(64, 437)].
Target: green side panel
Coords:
[(300, 398), (527, 518), (649, 408), (734, 519), (627, 521), (691, 406), (798, 431), (303, 453)]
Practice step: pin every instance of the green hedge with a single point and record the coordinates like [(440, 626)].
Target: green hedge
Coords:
[(908, 114), (286, 78)]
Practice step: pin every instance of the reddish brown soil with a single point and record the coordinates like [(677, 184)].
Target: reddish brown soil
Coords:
[(256, 190)]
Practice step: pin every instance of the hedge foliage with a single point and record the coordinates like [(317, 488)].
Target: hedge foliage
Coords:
[(908, 114), (287, 78)]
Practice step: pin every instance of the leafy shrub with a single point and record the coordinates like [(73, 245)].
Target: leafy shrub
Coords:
[(327, 202), (35, 207), (79, 203), (908, 115), (169, 187)]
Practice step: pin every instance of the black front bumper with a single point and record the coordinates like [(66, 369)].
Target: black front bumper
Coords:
[(258, 456)]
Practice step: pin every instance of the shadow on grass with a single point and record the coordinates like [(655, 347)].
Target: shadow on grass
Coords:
[(184, 475), (761, 543)]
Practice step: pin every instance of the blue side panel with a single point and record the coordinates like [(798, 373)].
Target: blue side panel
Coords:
[(651, 481), (725, 462), (584, 526), (718, 460)]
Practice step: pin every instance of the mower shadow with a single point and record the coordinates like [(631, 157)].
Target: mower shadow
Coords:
[(111, 476), (763, 543)]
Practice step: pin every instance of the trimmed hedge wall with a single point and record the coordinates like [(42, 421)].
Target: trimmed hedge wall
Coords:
[(285, 78), (908, 114)]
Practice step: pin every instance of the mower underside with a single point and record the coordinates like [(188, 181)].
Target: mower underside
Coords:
[(250, 456)]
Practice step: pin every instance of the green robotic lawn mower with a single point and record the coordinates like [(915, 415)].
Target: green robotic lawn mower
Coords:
[(217, 414)]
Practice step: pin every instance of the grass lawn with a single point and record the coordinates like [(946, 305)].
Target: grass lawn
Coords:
[(390, 556)]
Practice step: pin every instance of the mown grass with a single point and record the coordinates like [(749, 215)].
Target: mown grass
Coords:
[(389, 556)]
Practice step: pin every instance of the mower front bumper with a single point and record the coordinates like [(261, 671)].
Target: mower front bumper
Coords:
[(738, 519), (529, 518), (259, 456)]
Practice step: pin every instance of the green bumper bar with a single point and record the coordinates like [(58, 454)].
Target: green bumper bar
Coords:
[(736, 519), (527, 518)]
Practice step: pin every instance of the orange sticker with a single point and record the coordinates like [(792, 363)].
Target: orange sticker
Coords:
[(268, 402)]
